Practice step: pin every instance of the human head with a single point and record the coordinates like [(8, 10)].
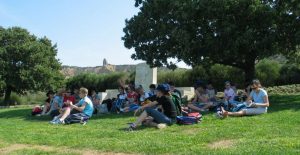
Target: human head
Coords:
[(83, 92), (121, 90), (139, 89), (68, 92), (209, 85), (255, 84), (162, 89), (227, 85), (199, 86), (152, 87), (172, 85), (50, 93), (61, 92), (93, 92)]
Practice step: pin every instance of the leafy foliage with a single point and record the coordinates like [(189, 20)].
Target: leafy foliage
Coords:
[(268, 71), (99, 82), (213, 31), (27, 62)]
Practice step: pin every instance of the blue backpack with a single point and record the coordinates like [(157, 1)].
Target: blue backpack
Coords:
[(191, 118)]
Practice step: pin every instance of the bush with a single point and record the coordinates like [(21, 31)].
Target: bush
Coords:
[(98, 82), (221, 73), (268, 72), (286, 89), (180, 77), (290, 74)]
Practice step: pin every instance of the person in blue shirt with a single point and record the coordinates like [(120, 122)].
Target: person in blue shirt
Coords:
[(77, 113), (257, 102), (56, 104)]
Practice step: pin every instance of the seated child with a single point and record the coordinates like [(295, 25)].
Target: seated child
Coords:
[(81, 111), (153, 117)]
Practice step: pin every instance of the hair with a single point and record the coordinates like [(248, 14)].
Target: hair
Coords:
[(61, 91), (227, 82), (84, 91), (152, 86), (171, 83), (256, 82)]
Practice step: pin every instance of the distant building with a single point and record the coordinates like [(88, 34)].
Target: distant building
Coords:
[(105, 62)]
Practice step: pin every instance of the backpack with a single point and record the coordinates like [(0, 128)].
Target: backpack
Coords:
[(177, 102), (191, 118), (36, 110)]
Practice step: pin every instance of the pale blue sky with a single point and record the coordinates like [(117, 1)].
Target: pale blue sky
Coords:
[(86, 31)]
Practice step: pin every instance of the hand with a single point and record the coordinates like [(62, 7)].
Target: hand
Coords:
[(253, 105)]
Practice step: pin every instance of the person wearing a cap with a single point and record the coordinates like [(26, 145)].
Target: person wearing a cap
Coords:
[(153, 117), (258, 102), (50, 95)]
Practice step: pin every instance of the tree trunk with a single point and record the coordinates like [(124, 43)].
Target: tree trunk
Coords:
[(249, 73), (7, 95)]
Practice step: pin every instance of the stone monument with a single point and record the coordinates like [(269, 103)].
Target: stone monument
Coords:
[(144, 75)]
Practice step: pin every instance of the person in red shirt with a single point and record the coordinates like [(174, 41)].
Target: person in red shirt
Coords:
[(69, 96)]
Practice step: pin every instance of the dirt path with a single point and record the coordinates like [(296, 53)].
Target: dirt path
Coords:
[(15, 147)]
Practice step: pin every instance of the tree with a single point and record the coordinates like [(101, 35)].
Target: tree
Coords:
[(27, 62), (229, 32)]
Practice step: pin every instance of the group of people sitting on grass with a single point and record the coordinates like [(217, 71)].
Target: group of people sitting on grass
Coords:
[(156, 107)]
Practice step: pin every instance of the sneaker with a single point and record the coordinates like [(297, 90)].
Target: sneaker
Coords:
[(161, 126), (58, 121), (131, 127)]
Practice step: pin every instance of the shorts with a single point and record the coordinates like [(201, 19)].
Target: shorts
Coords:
[(255, 111)]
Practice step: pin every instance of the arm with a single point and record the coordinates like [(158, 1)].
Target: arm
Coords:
[(150, 104), (81, 108), (265, 104)]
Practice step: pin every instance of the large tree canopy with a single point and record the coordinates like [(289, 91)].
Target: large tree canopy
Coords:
[(237, 33), (27, 62)]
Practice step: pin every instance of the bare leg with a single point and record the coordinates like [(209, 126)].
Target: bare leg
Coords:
[(65, 114), (190, 105), (141, 118), (46, 107), (239, 113)]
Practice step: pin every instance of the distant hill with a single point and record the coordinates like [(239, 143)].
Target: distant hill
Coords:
[(70, 71)]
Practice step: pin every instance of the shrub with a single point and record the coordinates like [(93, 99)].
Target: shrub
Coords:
[(268, 72), (286, 89), (221, 73), (98, 82), (290, 74)]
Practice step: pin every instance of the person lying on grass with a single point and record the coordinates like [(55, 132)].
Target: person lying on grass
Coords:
[(153, 117), (78, 113), (257, 102), (201, 100)]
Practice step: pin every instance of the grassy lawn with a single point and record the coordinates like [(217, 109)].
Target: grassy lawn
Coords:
[(277, 132)]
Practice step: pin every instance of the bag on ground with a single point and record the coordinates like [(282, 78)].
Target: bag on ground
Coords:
[(190, 118)]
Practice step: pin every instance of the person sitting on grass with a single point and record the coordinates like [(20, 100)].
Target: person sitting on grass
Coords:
[(57, 103), (151, 90), (121, 98), (49, 100), (78, 113), (200, 101), (132, 101), (153, 117), (257, 102), (211, 92)]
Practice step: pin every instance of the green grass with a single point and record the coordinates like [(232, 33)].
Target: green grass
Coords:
[(274, 133)]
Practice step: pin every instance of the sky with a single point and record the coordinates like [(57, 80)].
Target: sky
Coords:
[(85, 31)]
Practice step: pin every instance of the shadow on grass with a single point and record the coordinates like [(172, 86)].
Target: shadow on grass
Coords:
[(26, 115), (284, 102)]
